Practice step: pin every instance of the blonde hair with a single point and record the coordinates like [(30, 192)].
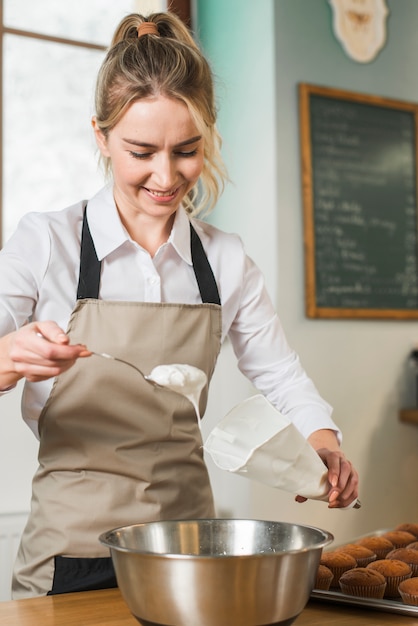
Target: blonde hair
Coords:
[(168, 64)]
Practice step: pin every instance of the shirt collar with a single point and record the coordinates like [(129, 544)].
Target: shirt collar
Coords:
[(180, 235), (105, 226), (108, 232)]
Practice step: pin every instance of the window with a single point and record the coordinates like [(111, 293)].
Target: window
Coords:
[(51, 54)]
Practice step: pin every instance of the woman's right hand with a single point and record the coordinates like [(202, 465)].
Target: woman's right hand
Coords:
[(37, 351)]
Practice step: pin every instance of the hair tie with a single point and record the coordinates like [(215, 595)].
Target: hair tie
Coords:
[(147, 28)]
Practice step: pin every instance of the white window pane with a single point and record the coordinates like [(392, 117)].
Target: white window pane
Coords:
[(50, 159), (83, 20)]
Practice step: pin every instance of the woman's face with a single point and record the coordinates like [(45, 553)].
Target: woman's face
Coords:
[(156, 153)]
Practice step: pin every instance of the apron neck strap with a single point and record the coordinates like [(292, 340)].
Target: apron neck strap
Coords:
[(203, 271), (89, 277)]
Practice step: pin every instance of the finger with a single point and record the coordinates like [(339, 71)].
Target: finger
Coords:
[(348, 495), (56, 344), (52, 332), (50, 354), (339, 471), (350, 492), (37, 372), (334, 464), (85, 353), (37, 358), (330, 459)]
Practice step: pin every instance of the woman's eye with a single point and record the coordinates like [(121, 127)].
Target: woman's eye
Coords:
[(181, 153), (140, 155), (191, 153)]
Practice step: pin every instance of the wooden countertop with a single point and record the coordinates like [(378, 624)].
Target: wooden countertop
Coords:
[(107, 608)]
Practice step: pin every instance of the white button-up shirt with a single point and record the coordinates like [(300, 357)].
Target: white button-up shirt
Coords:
[(39, 269)]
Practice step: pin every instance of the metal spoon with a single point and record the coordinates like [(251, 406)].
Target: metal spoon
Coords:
[(105, 355)]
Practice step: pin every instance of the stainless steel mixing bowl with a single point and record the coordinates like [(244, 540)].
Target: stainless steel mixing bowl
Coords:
[(216, 572)]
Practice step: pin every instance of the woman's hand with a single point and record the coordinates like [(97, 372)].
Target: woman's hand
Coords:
[(342, 476), (37, 351)]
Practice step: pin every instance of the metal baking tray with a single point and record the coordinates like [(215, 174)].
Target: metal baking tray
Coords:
[(388, 606)]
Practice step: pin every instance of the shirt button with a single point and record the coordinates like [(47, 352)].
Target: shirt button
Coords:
[(153, 280)]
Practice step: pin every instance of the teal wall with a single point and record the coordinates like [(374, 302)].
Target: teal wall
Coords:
[(239, 42)]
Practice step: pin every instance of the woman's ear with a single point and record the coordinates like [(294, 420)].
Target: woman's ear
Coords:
[(101, 140)]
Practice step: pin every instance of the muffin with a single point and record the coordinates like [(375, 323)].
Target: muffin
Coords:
[(413, 545), (363, 555), (399, 538), (324, 577), (408, 590), (377, 544), (409, 528), (338, 563), (394, 571), (364, 582), (407, 555)]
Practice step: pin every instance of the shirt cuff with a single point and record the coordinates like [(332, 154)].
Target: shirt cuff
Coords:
[(308, 424)]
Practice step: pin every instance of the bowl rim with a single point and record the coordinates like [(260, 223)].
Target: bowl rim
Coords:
[(104, 539)]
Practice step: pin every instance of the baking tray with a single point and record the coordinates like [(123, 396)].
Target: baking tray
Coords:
[(388, 606)]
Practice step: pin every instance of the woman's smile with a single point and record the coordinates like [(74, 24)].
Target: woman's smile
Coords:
[(162, 196)]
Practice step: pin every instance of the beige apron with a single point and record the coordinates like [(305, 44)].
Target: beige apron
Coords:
[(113, 449)]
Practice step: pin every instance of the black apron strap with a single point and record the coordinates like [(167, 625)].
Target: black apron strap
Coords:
[(89, 277), (203, 271)]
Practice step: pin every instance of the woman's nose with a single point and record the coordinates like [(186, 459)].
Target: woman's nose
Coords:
[(165, 173)]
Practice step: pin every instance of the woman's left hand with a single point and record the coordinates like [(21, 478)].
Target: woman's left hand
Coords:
[(342, 476)]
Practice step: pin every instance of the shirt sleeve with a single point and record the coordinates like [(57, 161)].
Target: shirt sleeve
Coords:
[(21, 259), (266, 359), (23, 262)]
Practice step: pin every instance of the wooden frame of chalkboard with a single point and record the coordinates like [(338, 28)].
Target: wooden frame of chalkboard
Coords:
[(359, 182)]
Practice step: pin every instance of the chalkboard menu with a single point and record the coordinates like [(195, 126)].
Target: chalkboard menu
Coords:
[(359, 176)]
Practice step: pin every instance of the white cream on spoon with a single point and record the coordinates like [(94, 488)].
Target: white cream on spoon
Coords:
[(186, 380), (183, 379)]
